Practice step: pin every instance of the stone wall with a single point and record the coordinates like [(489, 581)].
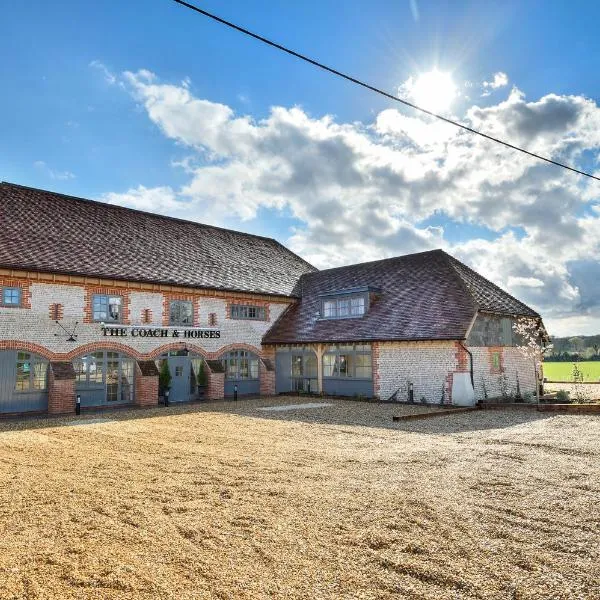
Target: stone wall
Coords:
[(32, 324), (427, 365), (515, 371)]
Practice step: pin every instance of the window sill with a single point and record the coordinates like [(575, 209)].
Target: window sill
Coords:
[(341, 318)]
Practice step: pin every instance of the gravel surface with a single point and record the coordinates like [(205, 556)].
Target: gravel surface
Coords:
[(222, 501)]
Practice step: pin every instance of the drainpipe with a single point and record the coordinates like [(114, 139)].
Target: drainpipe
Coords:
[(462, 345)]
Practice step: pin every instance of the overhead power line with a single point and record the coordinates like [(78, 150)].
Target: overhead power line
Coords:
[(320, 65)]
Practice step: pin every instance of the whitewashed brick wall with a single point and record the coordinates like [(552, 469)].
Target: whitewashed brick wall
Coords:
[(425, 364), (70, 296), (139, 301), (34, 324), (515, 365)]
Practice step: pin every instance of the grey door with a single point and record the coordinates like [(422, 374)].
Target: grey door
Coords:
[(180, 368), (23, 382)]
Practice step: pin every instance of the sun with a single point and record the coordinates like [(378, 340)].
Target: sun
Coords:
[(434, 90)]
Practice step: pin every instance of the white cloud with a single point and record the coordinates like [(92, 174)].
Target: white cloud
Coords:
[(59, 175), (109, 77), (531, 282), (361, 191), (500, 80)]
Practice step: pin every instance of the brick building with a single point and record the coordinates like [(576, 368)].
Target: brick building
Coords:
[(96, 299)]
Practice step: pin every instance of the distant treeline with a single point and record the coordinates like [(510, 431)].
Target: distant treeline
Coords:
[(581, 347)]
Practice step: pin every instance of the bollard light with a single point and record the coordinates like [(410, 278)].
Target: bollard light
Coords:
[(235, 392), (166, 397), (78, 405), (411, 394)]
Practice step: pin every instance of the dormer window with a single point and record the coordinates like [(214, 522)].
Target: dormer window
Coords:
[(346, 304), (344, 307)]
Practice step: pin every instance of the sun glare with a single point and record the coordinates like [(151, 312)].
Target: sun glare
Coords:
[(434, 90)]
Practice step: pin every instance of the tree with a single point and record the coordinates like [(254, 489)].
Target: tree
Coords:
[(201, 377), (527, 330), (164, 377), (577, 344)]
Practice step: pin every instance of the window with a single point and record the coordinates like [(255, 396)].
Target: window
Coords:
[(11, 296), (31, 373), (348, 361), (107, 308), (243, 311), (111, 371), (347, 306), (496, 361), (240, 364), (181, 312)]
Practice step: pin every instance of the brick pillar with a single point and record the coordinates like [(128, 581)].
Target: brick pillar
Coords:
[(61, 388), (146, 383), (266, 372), (215, 388)]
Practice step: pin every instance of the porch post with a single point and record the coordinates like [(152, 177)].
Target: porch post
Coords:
[(319, 353)]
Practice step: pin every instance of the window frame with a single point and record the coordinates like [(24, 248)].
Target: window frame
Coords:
[(344, 306), (177, 323), (108, 319), (241, 312), (242, 361), (340, 362), (11, 288), (33, 360)]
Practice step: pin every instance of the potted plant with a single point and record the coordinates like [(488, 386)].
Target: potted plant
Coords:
[(164, 381)]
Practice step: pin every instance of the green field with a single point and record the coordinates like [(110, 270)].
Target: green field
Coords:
[(563, 371)]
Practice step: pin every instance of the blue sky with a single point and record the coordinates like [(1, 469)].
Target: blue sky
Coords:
[(147, 104)]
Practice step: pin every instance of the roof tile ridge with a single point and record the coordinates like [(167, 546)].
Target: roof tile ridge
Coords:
[(461, 282), (278, 320), (496, 287), (381, 260)]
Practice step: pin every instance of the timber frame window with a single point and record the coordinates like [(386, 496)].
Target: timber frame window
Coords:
[(11, 297), (347, 304), (31, 373), (343, 307), (249, 312), (240, 364), (107, 308), (181, 312), (348, 361)]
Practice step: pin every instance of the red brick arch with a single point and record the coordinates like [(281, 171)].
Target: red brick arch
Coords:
[(219, 353), (178, 346), (97, 346), (27, 347)]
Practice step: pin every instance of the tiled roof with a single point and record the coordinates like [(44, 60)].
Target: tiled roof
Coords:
[(50, 232), (488, 296), (425, 296)]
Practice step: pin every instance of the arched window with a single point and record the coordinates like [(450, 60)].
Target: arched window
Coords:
[(240, 364)]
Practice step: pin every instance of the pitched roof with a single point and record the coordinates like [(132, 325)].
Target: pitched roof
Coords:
[(425, 296), (50, 232), (488, 296)]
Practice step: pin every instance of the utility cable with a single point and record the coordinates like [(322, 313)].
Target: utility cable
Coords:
[(316, 63)]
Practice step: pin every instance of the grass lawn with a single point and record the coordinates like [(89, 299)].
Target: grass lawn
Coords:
[(225, 501), (563, 371)]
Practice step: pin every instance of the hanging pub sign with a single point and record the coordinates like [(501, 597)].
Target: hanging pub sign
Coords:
[(158, 332)]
